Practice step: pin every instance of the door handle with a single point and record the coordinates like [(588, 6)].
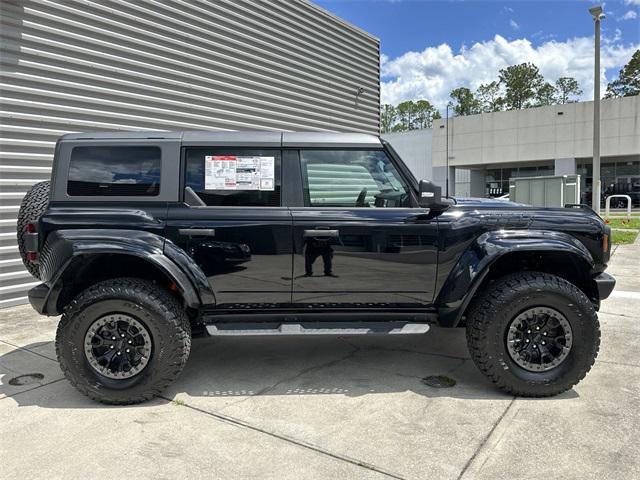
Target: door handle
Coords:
[(321, 233), (197, 232)]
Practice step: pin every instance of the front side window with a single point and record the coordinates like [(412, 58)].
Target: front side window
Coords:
[(234, 177), (352, 178), (114, 171)]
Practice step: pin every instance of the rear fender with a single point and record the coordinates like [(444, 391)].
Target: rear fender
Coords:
[(66, 250), (475, 264)]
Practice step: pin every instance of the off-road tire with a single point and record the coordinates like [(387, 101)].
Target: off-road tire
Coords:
[(33, 205), (161, 314), (501, 302)]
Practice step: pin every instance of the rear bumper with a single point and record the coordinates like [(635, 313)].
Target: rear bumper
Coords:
[(605, 284), (38, 297)]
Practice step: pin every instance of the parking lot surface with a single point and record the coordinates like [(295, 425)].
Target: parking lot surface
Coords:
[(327, 407)]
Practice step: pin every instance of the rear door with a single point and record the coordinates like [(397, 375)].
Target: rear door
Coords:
[(241, 236), (359, 239)]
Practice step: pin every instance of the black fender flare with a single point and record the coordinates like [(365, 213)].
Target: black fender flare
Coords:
[(65, 250), (475, 263)]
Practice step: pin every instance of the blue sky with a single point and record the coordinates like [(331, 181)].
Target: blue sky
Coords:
[(419, 36)]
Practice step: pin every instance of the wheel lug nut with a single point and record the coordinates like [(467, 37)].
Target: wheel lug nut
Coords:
[(113, 338), (528, 331), (544, 333), (543, 342), (119, 353), (534, 346), (537, 328), (127, 350), (112, 347), (122, 335), (129, 342), (527, 340)]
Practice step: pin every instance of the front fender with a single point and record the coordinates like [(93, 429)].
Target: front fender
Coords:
[(64, 250), (475, 263)]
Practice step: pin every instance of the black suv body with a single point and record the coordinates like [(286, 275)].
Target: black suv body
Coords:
[(294, 233)]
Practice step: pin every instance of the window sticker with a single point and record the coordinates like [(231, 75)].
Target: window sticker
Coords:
[(231, 172)]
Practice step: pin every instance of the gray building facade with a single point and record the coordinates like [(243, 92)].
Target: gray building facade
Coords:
[(486, 150), (80, 65)]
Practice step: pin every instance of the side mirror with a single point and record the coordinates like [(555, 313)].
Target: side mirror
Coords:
[(430, 194)]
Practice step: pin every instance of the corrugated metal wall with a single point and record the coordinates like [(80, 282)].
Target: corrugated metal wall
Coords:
[(82, 65)]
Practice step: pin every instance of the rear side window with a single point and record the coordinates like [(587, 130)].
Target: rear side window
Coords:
[(114, 171), (234, 177)]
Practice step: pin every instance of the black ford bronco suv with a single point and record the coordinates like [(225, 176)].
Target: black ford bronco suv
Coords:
[(142, 239)]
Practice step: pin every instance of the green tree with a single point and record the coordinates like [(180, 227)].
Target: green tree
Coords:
[(628, 82), (465, 101), (388, 117), (546, 95), (489, 97), (565, 88), (406, 116), (415, 115), (521, 83), (425, 114)]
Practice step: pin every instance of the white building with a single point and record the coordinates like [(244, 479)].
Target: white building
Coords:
[(486, 150)]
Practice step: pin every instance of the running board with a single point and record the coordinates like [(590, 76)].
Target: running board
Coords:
[(317, 328)]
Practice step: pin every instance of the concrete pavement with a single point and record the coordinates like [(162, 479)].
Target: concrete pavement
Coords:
[(325, 407)]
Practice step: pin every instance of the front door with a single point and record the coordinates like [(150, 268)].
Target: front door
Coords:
[(359, 239), (241, 237)]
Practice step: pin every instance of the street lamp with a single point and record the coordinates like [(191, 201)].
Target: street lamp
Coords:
[(597, 14), (447, 152)]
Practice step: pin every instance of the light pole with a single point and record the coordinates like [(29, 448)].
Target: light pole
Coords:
[(447, 152), (597, 14)]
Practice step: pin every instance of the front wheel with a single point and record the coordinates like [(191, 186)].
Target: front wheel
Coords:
[(122, 341), (533, 334)]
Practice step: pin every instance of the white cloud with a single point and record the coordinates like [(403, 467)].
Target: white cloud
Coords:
[(514, 24), (434, 72), (632, 2), (630, 15)]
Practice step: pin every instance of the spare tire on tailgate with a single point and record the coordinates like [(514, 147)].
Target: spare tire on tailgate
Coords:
[(33, 205)]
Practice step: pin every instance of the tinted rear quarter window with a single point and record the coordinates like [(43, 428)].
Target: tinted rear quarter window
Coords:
[(114, 171)]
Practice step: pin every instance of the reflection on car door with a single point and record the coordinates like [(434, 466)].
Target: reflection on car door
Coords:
[(242, 238), (358, 240)]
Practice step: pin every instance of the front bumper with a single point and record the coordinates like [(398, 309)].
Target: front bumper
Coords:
[(605, 284), (38, 297)]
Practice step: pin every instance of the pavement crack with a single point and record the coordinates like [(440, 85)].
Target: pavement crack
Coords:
[(28, 350), (300, 443), (32, 389), (486, 439), (302, 372)]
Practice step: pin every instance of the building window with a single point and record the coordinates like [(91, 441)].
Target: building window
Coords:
[(114, 171)]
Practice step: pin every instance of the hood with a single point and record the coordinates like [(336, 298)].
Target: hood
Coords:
[(486, 202)]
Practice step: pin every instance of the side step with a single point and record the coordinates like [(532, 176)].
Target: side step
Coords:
[(316, 328)]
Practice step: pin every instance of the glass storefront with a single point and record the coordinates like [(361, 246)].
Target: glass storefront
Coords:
[(497, 179), (617, 177)]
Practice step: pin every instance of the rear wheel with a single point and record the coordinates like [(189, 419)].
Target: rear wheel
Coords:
[(533, 334), (123, 341), (33, 206)]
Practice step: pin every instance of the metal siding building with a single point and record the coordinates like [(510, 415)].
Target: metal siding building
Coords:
[(84, 65)]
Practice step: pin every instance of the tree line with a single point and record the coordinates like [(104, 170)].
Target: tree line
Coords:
[(517, 87)]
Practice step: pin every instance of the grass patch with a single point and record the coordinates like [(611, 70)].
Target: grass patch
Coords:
[(178, 403), (621, 237), (624, 223)]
